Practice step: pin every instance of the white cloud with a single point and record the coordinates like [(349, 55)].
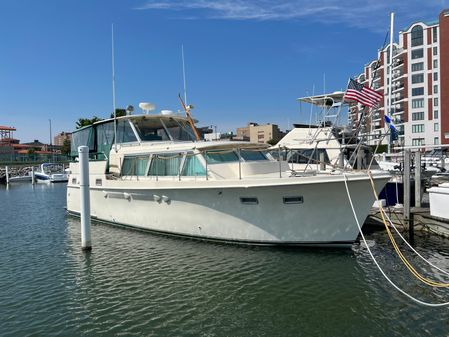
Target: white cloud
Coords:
[(373, 15)]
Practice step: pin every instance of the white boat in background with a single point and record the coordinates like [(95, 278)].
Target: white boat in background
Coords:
[(51, 173), (159, 178), (21, 179), (439, 201), (307, 145)]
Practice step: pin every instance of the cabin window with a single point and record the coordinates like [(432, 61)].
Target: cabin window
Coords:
[(166, 164), (82, 137), (183, 132), (153, 129), (135, 166), (304, 156), (105, 138), (249, 155), (221, 156), (193, 166), (125, 133)]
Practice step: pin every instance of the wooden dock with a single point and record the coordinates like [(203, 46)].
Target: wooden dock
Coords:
[(420, 219)]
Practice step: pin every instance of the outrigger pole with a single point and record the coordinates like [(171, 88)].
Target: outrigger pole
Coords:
[(189, 118)]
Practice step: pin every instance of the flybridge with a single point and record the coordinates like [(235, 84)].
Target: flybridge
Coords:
[(99, 137)]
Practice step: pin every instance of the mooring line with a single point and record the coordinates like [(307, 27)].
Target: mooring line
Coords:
[(375, 261)]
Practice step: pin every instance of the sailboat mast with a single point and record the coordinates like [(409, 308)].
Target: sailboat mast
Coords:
[(390, 86)]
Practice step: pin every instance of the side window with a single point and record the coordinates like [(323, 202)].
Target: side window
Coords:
[(166, 164), (221, 156), (134, 166), (125, 133), (249, 155), (193, 166)]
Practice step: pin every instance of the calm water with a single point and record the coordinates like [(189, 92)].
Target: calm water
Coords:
[(136, 283)]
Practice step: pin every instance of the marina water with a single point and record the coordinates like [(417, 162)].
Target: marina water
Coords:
[(140, 284)]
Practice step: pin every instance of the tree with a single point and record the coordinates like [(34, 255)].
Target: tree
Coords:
[(65, 149), (119, 113), (273, 141), (82, 122)]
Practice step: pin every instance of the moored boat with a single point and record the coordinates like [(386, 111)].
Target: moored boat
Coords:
[(51, 173), (159, 178)]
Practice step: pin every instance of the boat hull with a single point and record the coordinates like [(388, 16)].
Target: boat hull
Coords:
[(51, 178), (293, 213)]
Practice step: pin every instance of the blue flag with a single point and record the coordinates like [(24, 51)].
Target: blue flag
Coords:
[(393, 129)]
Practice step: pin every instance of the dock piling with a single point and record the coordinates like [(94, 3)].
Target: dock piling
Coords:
[(417, 179), (33, 178), (83, 154), (7, 174), (322, 162), (406, 183), (342, 160)]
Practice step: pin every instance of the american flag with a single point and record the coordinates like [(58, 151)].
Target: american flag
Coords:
[(362, 94)]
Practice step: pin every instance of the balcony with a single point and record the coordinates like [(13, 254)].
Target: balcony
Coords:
[(398, 52), (376, 116), (397, 86), (397, 98), (397, 74), (398, 63)]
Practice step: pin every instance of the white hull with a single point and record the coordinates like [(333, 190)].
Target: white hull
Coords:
[(51, 178), (439, 201), (214, 210)]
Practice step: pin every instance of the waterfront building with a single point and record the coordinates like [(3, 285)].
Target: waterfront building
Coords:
[(61, 137), (256, 133), (420, 85)]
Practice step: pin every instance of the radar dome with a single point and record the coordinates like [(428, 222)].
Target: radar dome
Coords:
[(147, 107)]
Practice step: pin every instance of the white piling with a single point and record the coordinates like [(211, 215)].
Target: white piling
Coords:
[(83, 155), (7, 174), (418, 179), (33, 178)]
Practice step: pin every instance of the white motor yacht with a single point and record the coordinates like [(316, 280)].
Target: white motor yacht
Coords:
[(157, 177)]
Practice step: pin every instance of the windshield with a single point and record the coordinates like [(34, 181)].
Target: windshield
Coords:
[(151, 129)]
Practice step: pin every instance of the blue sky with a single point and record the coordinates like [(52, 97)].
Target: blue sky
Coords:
[(245, 60)]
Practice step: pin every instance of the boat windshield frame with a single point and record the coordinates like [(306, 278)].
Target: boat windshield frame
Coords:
[(162, 129)]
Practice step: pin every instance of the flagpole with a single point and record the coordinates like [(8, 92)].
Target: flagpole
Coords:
[(390, 88)]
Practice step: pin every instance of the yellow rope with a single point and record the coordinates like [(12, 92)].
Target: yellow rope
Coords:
[(397, 249)]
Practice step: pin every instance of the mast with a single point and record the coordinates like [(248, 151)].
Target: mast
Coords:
[(390, 87), (50, 131), (184, 74), (113, 88)]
